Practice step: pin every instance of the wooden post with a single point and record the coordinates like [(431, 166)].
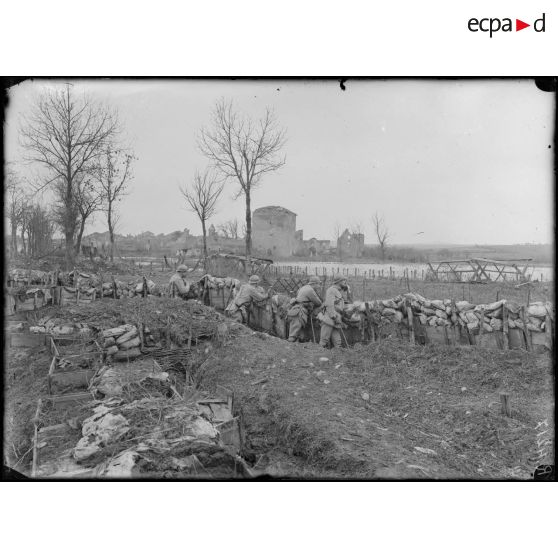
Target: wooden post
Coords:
[(364, 287), (481, 329), (505, 327), (506, 405), (36, 422), (526, 332), (411, 324)]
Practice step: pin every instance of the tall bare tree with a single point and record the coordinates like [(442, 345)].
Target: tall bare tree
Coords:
[(39, 228), (65, 134), (113, 172), (244, 150), (202, 197), (382, 233), (15, 204)]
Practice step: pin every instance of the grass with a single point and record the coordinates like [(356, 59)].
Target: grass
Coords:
[(444, 399)]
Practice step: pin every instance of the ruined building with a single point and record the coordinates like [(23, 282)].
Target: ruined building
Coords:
[(273, 232), (350, 245)]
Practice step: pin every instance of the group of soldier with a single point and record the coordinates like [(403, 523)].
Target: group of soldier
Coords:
[(306, 305)]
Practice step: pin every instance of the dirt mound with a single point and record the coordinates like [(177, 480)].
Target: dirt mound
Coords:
[(165, 317)]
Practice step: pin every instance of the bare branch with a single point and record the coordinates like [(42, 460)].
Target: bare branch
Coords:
[(202, 197), (382, 233), (243, 150), (65, 136)]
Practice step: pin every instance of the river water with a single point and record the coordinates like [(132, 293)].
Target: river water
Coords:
[(538, 273)]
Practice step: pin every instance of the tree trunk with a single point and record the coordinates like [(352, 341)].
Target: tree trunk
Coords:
[(248, 226), (80, 236), (204, 242), (111, 231), (14, 238), (70, 257)]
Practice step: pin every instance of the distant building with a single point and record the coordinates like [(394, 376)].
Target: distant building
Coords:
[(274, 232), (350, 245)]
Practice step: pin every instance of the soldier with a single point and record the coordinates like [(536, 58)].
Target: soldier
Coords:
[(305, 303), (332, 315), (178, 284), (248, 293)]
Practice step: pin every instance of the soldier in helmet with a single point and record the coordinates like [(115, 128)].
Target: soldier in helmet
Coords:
[(332, 315), (178, 284), (306, 301), (247, 294)]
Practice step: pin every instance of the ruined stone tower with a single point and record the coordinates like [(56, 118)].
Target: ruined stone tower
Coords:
[(273, 232)]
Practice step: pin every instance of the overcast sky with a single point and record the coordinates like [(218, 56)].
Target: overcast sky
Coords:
[(466, 162)]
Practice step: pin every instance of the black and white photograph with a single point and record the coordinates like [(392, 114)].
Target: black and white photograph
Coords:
[(264, 279)]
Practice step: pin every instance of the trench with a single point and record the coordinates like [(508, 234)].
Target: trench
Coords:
[(286, 448)]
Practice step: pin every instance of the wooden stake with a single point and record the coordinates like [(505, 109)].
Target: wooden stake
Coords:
[(526, 332), (481, 329), (505, 327), (411, 325), (506, 405), (36, 419)]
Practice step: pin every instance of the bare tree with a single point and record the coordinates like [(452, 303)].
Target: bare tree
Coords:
[(382, 233), (113, 172), (16, 204), (229, 229), (65, 135), (202, 197), (39, 228), (244, 150)]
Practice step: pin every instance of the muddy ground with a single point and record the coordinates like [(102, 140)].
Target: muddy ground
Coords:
[(385, 410)]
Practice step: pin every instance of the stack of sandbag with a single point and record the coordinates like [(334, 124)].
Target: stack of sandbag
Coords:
[(536, 314), (123, 342), (128, 290), (40, 296), (86, 280), (30, 276), (60, 328), (446, 313), (470, 315), (217, 283)]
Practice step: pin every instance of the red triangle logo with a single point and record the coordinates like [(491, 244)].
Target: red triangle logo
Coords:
[(519, 25)]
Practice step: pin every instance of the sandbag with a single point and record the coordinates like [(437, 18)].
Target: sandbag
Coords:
[(127, 336), (135, 342), (537, 310), (127, 355), (114, 332)]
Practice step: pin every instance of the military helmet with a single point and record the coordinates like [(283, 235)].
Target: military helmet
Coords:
[(254, 280), (313, 280), (181, 268), (338, 279)]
